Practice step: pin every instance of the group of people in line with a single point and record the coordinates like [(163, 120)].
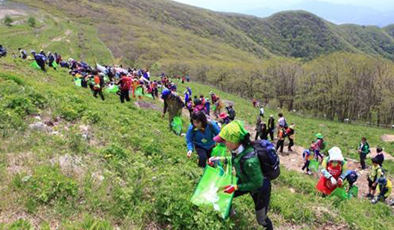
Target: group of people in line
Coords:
[(204, 133)]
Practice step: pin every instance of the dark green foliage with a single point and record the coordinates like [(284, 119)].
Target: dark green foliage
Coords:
[(31, 22)]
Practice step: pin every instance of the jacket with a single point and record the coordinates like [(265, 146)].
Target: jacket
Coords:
[(249, 174), (202, 139), (364, 148)]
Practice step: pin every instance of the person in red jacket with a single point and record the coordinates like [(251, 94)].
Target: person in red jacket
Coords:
[(124, 85), (98, 85)]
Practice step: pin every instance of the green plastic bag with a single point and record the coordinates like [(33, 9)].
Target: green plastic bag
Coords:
[(340, 193), (353, 192), (112, 89), (138, 92), (176, 125), (314, 165), (207, 192), (35, 65), (78, 82), (54, 64), (219, 151)]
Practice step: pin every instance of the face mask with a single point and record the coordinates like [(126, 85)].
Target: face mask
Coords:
[(335, 164)]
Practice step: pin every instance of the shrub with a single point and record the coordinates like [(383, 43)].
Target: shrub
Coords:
[(8, 20), (31, 22)]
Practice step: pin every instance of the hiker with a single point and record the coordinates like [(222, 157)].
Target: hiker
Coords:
[(40, 59), (23, 53), (134, 87), (188, 78), (374, 174), (208, 106), (351, 177), (231, 112), (333, 170), (51, 60), (380, 156), (199, 137), (173, 104), (281, 138), (318, 146), (196, 101), (189, 90), (291, 135), (282, 121), (271, 127), (363, 150), (146, 74), (224, 119), (254, 102), (213, 97), (98, 85), (248, 170), (261, 130), (218, 106), (308, 155), (155, 90), (183, 79), (262, 111), (125, 86), (58, 58), (3, 51), (384, 189)]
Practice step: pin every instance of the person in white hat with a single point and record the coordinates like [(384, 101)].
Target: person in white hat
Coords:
[(333, 170)]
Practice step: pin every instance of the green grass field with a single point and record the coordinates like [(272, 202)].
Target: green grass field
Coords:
[(121, 172)]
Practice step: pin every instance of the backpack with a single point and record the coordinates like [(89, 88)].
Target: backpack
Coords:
[(269, 160)]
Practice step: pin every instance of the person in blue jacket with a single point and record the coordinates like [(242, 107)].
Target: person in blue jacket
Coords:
[(199, 137)]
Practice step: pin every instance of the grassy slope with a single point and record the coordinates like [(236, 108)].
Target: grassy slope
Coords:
[(146, 32), (146, 179)]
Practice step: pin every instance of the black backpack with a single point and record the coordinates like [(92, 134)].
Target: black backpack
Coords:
[(269, 160)]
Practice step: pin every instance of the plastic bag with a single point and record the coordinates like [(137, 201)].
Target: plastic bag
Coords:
[(112, 89), (176, 125), (340, 192), (35, 65), (207, 191), (353, 192), (314, 165), (219, 151), (138, 92), (78, 82)]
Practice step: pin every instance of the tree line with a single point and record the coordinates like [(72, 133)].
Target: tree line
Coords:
[(339, 86)]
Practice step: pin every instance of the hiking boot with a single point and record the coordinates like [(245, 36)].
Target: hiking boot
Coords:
[(369, 196), (290, 150), (309, 173)]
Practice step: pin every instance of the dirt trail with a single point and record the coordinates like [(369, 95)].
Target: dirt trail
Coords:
[(294, 161), (387, 138)]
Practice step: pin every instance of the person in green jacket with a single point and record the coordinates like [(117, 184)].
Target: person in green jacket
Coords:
[(363, 150), (250, 176)]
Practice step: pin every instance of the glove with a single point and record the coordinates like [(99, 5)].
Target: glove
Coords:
[(333, 181), (340, 182), (230, 189), (213, 160), (189, 153)]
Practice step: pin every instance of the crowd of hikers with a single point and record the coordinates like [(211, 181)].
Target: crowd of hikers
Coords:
[(214, 126)]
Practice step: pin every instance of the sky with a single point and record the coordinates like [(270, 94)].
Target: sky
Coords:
[(243, 5)]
